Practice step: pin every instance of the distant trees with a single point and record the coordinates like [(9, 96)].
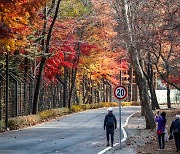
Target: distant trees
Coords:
[(70, 42), (85, 43)]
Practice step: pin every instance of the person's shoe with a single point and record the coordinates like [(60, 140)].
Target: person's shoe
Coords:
[(111, 145), (108, 144)]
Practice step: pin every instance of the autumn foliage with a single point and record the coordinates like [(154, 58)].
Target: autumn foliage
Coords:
[(16, 17)]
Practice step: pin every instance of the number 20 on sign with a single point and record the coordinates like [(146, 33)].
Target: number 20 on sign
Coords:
[(120, 92)]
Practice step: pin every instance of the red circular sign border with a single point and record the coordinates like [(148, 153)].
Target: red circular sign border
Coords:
[(121, 87)]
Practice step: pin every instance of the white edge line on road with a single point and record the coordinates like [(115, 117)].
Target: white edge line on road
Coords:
[(124, 134)]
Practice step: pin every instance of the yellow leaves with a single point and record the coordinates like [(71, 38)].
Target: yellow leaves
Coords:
[(10, 44), (4, 43), (100, 64)]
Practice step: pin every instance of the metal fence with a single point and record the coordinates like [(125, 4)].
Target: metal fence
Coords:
[(21, 94)]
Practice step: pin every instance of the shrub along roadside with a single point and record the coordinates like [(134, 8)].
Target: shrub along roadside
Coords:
[(26, 121)]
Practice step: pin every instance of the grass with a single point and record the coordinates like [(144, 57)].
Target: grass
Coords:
[(26, 121)]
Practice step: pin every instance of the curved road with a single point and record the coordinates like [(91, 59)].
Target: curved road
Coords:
[(80, 133)]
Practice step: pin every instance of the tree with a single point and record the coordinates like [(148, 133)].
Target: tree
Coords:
[(45, 47), (127, 13), (162, 39)]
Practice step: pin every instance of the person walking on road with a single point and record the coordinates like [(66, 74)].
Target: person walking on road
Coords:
[(175, 131), (161, 120), (110, 124)]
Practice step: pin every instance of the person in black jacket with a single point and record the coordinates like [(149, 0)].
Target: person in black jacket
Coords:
[(175, 130), (110, 124)]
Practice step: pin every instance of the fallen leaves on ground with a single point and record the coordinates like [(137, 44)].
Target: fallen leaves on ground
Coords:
[(152, 147)]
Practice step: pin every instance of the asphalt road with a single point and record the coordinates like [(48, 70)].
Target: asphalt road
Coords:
[(80, 133)]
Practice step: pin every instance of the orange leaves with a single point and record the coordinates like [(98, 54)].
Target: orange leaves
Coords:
[(102, 65), (15, 16)]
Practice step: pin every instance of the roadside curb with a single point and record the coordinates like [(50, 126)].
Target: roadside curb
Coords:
[(124, 134)]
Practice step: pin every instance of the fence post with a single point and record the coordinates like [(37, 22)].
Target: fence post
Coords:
[(16, 98), (1, 95), (14, 110), (7, 88)]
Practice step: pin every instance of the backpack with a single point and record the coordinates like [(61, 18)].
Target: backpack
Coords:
[(110, 121), (176, 129)]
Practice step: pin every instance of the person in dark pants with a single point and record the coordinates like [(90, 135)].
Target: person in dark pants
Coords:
[(110, 124), (175, 130), (161, 120)]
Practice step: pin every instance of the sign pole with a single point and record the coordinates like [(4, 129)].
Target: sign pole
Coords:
[(120, 123), (120, 79), (120, 92)]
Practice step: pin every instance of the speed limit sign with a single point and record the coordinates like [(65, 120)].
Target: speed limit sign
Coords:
[(120, 92)]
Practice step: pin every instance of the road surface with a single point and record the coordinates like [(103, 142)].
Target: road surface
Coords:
[(80, 133)]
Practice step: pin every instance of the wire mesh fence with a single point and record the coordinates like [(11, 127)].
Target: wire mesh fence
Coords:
[(21, 95)]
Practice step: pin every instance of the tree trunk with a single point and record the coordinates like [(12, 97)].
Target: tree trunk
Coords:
[(43, 60), (168, 97), (71, 88), (142, 85), (38, 85), (143, 91), (150, 79), (154, 101), (168, 87), (76, 96), (104, 93), (154, 98), (91, 92), (65, 88), (140, 95), (130, 84), (26, 61)]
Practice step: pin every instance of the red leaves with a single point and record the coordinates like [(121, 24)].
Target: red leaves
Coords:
[(66, 64), (86, 48), (65, 50), (55, 63)]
